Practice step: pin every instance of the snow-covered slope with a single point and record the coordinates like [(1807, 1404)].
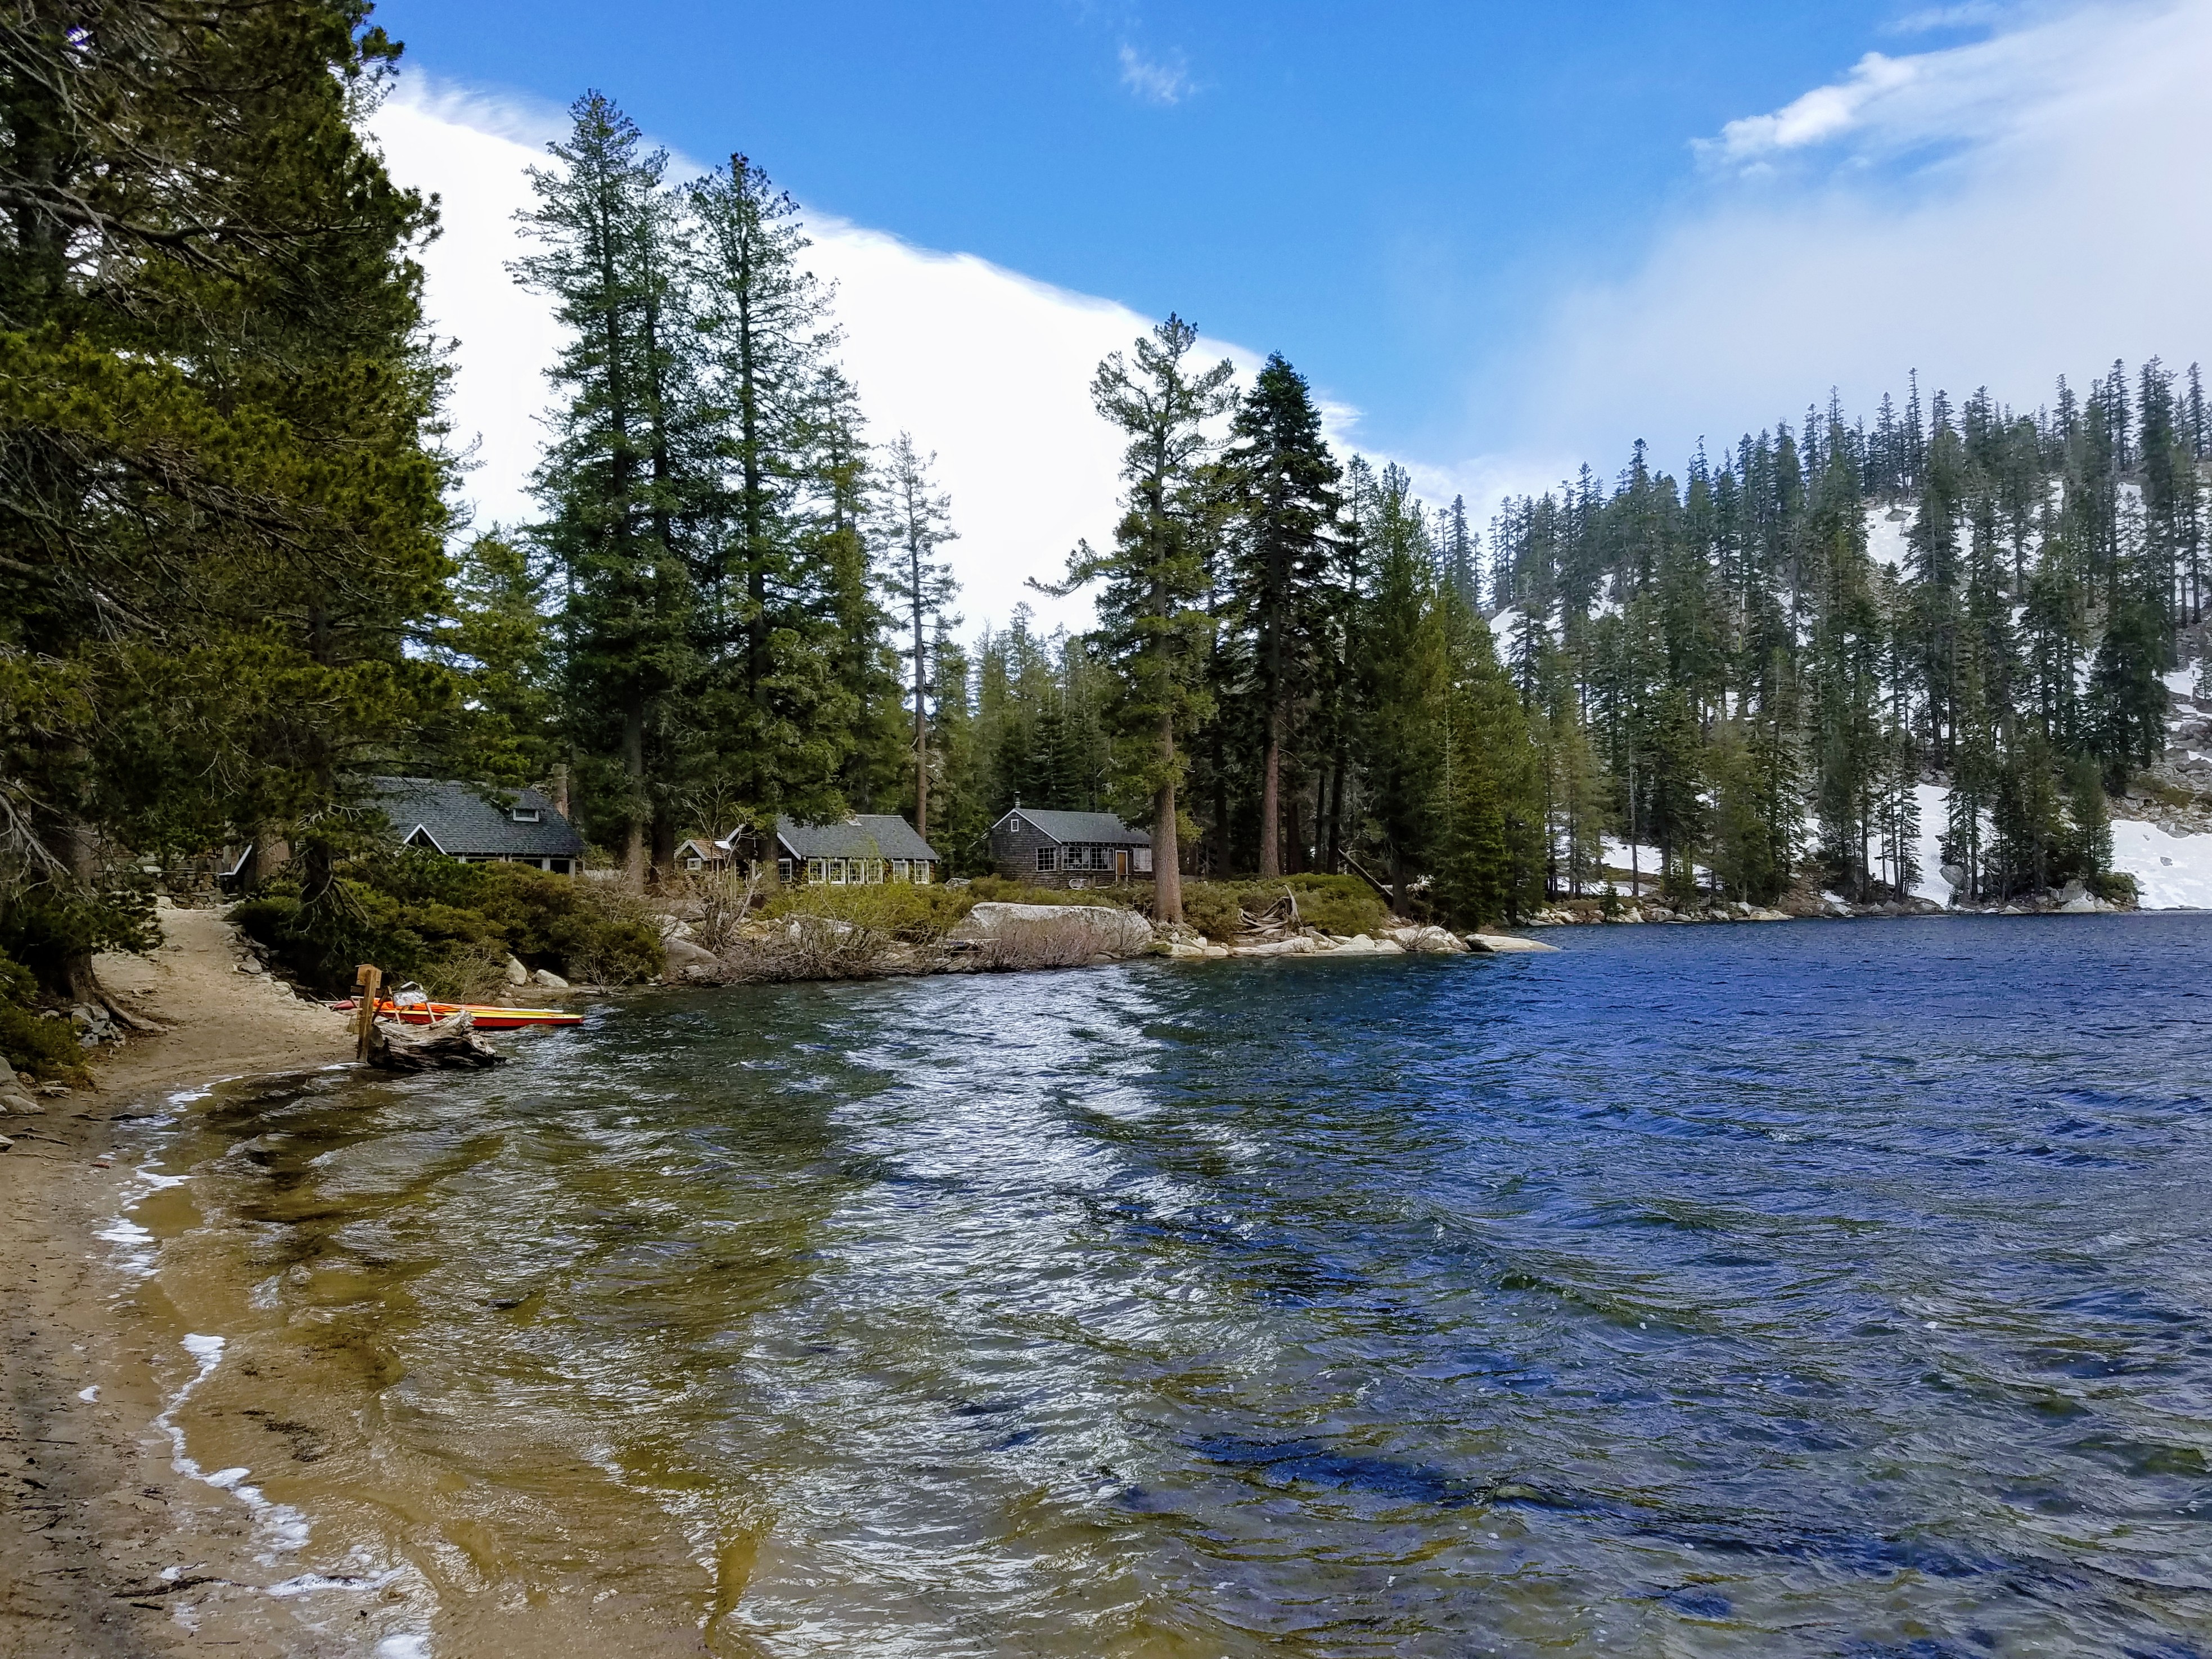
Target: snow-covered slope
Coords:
[(2171, 872)]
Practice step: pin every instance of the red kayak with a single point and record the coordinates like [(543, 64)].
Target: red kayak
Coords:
[(483, 1016)]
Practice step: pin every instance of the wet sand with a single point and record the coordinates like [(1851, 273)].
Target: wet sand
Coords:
[(106, 1549)]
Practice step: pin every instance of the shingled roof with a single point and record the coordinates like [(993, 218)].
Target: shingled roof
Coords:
[(1096, 828), (456, 820), (869, 835)]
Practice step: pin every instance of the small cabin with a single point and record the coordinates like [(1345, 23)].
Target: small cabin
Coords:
[(865, 850), (1069, 849), (473, 824), (702, 856)]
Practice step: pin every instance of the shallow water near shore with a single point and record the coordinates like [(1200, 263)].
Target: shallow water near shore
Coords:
[(1826, 1288)]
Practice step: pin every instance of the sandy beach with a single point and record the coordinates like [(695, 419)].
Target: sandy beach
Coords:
[(108, 1548)]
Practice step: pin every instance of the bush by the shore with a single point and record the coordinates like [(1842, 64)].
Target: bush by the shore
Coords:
[(1336, 904), (44, 1047), (451, 926)]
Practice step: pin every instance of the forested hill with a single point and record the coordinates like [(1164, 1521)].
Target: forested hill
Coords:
[(1966, 592), (1755, 669)]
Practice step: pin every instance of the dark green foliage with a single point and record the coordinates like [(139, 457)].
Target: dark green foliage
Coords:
[(450, 926), (29, 1042)]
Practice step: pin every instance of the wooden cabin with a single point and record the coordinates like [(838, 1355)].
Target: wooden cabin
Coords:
[(866, 849), (1069, 849), (474, 823)]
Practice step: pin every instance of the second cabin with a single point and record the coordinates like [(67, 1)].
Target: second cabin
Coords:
[(865, 850), (1069, 849)]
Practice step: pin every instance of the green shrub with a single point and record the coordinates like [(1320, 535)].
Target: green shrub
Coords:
[(2114, 887), (44, 1047), (450, 926)]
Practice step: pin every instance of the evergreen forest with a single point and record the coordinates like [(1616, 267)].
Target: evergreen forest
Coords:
[(235, 585)]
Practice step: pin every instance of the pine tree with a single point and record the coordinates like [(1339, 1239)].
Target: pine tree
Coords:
[(1280, 482), (619, 490), (913, 521), (222, 472), (782, 714), (1406, 678), (1151, 629)]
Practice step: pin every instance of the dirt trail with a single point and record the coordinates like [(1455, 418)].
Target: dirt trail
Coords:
[(94, 1514), (222, 1022)]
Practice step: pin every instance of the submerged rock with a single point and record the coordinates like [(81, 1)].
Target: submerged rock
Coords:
[(1504, 944)]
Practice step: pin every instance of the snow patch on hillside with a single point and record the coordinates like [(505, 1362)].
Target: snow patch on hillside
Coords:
[(1885, 538), (2171, 872)]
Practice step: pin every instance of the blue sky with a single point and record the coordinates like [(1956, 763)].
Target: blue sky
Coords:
[(1500, 239), (1380, 191)]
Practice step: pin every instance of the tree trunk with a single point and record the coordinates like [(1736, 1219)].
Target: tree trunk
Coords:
[(921, 722), (1167, 867), (1270, 798), (272, 852), (664, 843), (634, 855)]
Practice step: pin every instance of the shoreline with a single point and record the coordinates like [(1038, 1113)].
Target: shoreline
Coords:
[(122, 1550)]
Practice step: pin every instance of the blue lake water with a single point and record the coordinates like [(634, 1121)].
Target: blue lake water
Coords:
[(1828, 1288)]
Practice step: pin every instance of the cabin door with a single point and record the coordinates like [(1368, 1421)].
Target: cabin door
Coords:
[(1121, 862)]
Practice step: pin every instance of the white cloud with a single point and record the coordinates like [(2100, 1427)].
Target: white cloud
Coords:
[(1160, 82), (1996, 213), (1821, 113), (986, 367), (1971, 15)]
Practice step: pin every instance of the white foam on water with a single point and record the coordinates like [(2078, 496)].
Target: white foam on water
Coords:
[(282, 1527), (405, 1645), (91, 1396)]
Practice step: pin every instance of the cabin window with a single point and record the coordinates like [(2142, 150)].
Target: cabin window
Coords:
[(922, 869), (836, 867), (816, 870), (901, 869), (694, 864), (1144, 860), (527, 815), (783, 870), (560, 866), (1047, 858)]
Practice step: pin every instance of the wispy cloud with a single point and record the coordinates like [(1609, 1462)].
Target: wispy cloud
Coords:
[(1154, 80), (1973, 94), (1973, 13), (1993, 214), (1823, 113)]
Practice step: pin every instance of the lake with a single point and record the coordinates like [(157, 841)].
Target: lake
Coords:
[(1826, 1288)]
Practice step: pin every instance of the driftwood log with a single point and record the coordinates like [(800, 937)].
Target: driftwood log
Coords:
[(448, 1044)]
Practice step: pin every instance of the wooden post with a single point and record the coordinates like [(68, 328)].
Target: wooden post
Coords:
[(366, 979)]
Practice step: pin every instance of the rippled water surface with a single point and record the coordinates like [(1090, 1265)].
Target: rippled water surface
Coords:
[(1822, 1289)]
